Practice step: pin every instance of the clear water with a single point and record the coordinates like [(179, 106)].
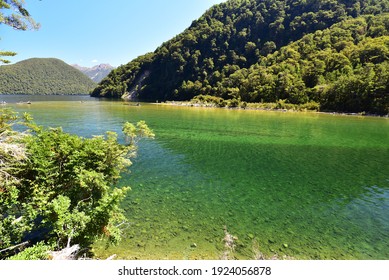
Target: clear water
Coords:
[(308, 186)]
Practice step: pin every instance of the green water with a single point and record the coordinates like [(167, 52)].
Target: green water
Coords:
[(304, 185)]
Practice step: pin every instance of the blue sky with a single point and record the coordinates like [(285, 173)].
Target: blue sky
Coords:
[(90, 32)]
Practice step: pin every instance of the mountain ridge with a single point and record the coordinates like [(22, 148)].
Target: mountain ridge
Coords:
[(43, 76), (97, 72)]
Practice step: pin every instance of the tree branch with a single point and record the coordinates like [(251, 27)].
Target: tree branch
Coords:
[(15, 246)]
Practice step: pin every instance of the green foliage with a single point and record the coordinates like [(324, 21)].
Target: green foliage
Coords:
[(225, 53), (216, 55), (310, 106), (209, 100), (7, 119), (39, 251), (43, 76), (233, 103), (6, 53), (61, 189), (12, 13), (343, 68), (213, 101), (135, 133)]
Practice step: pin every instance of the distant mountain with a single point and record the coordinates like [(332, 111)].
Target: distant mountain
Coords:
[(96, 73), (43, 76)]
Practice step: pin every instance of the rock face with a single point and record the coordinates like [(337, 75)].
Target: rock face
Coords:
[(133, 92), (96, 73)]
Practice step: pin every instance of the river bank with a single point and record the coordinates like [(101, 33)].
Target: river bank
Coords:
[(271, 107)]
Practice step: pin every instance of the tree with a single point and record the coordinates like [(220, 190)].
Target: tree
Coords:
[(6, 53), (13, 13), (58, 189), (19, 18), (240, 34)]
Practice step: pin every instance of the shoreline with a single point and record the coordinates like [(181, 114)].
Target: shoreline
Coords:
[(49, 94), (264, 109)]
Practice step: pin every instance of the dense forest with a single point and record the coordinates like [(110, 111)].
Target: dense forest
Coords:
[(43, 76), (330, 52), (343, 68)]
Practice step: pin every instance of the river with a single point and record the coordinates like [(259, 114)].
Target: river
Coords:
[(294, 185)]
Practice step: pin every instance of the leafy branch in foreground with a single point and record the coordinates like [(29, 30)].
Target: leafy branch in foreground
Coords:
[(13, 14), (61, 189)]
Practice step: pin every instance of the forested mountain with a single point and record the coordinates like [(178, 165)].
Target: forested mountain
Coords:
[(343, 68), (96, 73), (292, 49), (43, 76)]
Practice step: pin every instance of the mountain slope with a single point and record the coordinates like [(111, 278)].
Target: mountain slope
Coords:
[(96, 73), (229, 37), (343, 68), (43, 76)]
